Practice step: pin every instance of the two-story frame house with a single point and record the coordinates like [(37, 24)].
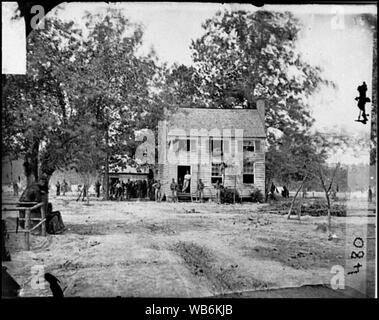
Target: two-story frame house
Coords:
[(226, 145)]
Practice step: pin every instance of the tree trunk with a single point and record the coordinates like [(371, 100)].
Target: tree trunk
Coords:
[(329, 213), (299, 212), (107, 167), (266, 191), (87, 193), (294, 198), (31, 164)]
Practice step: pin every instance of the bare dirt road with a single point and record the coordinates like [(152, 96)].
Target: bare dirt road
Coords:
[(147, 249)]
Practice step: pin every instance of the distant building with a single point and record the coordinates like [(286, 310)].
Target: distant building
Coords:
[(225, 145), (12, 170)]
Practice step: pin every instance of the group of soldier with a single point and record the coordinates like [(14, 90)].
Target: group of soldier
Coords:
[(62, 187), (125, 190), (152, 189)]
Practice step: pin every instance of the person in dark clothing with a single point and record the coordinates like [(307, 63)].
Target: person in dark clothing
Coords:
[(285, 192), (118, 189), (82, 192), (174, 190), (85, 191), (127, 189), (139, 189), (180, 184), (362, 100), (58, 188), (97, 187), (369, 194), (150, 189), (15, 188), (218, 192), (64, 187), (54, 221), (144, 188), (157, 187), (200, 190), (273, 189)]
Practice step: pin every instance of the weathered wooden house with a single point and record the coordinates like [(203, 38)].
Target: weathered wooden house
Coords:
[(226, 145)]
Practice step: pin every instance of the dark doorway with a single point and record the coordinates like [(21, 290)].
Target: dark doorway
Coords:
[(151, 175), (182, 171)]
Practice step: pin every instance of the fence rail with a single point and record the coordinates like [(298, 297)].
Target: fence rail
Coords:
[(28, 219)]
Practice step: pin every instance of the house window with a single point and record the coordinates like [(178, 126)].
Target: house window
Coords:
[(193, 144), (216, 173), (251, 145), (216, 146), (258, 146), (248, 146), (248, 172), (183, 145)]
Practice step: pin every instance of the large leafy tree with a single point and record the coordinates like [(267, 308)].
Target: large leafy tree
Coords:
[(242, 56), (116, 85), (80, 87), (38, 123)]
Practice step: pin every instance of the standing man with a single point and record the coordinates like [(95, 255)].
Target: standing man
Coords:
[(58, 188), (139, 189), (118, 190), (80, 191), (369, 194), (285, 192), (85, 191), (272, 191), (19, 184), (157, 187), (144, 188), (174, 190), (362, 99), (218, 192), (128, 189), (64, 187), (97, 187), (187, 179), (15, 188), (180, 184), (200, 190)]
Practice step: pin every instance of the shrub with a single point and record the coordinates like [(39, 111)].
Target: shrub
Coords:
[(257, 195), (227, 195)]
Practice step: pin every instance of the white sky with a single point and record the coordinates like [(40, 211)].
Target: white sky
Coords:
[(331, 38)]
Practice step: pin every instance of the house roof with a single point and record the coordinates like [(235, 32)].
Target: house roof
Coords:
[(249, 120)]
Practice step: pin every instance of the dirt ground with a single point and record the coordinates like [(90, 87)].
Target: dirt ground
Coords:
[(147, 249)]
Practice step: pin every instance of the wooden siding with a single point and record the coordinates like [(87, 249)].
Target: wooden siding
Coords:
[(200, 160)]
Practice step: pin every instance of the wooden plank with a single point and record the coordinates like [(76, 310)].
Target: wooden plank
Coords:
[(24, 208), (43, 217), (42, 222), (27, 234), (17, 231), (38, 205), (17, 203), (27, 241), (27, 219), (16, 209)]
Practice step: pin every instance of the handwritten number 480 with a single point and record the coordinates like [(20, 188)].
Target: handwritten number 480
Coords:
[(358, 243)]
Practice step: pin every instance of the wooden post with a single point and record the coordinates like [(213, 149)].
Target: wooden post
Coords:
[(43, 225), (27, 227), (27, 240)]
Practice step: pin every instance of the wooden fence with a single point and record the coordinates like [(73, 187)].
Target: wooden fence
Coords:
[(18, 206)]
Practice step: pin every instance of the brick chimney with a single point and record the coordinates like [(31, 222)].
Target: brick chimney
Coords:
[(261, 108)]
